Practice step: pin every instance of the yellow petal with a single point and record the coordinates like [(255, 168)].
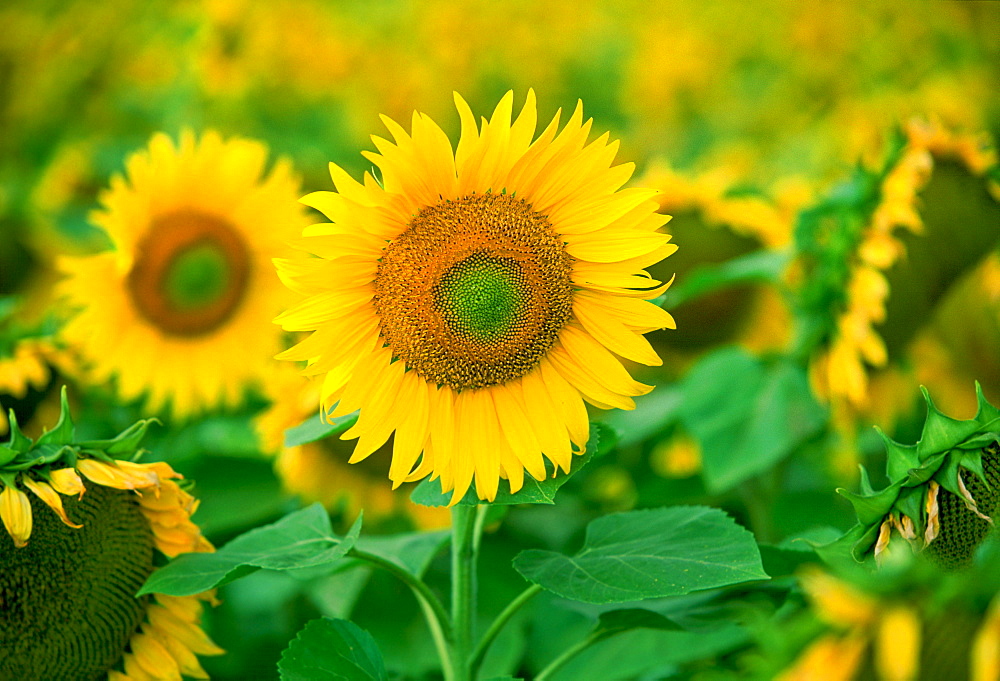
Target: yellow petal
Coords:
[(45, 492), (67, 481), (897, 656), (15, 511)]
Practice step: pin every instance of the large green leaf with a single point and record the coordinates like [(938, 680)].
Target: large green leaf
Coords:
[(300, 540), (428, 492), (746, 415), (648, 554), (332, 650)]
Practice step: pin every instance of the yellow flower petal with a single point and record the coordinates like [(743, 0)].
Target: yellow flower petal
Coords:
[(15, 511)]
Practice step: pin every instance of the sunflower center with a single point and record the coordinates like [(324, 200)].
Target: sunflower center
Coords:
[(482, 296), (475, 291), (190, 274), (68, 597)]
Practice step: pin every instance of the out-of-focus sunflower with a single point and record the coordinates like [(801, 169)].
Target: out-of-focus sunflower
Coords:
[(839, 372), (873, 281), (179, 310), (894, 629), (720, 219), (318, 471), (74, 554), (472, 299)]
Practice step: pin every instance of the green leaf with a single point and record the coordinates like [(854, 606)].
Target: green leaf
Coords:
[(746, 415), (648, 554), (300, 540), (332, 650), (316, 428), (412, 551), (7, 454), (616, 621), (428, 492)]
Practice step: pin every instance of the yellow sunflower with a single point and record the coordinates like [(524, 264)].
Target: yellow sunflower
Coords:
[(472, 299), (179, 310), (69, 578)]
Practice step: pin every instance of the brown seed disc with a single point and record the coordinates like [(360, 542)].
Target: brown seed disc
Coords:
[(172, 238), (475, 291)]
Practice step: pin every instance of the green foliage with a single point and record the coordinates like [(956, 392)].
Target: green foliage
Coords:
[(303, 539), (332, 650), (648, 554), (746, 414)]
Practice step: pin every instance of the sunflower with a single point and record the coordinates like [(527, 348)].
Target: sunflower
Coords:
[(894, 628), (471, 300), (179, 309), (317, 470), (839, 373), (75, 553)]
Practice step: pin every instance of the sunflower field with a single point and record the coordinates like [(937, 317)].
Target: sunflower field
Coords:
[(605, 340)]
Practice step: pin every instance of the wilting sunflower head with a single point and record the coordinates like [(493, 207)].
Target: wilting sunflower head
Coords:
[(84, 530), (472, 299), (943, 492), (179, 310)]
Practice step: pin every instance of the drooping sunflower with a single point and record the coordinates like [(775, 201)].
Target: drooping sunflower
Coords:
[(179, 310), (471, 300), (75, 553)]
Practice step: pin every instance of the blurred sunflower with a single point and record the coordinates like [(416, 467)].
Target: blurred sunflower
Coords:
[(472, 300), (866, 631), (69, 568), (318, 471), (179, 309), (838, 372)]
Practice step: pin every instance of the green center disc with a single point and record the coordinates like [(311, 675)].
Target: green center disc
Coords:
[(482, 297), (197, 277), (67, 599)]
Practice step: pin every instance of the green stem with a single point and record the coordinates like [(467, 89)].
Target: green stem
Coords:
[(571, 652), (463, 587), (498, 624), (434, 612)]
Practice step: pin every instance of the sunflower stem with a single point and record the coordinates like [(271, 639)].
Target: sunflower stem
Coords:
[(434, 612), (464, 543), (498, 624), (568, 654)]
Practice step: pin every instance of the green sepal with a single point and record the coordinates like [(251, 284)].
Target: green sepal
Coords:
[(911, 503), (864, 543), (872, 508), (941, 432), (7, 454), (900, 458), (918, 476), (63, 433), (18, 440), (126, 442)]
